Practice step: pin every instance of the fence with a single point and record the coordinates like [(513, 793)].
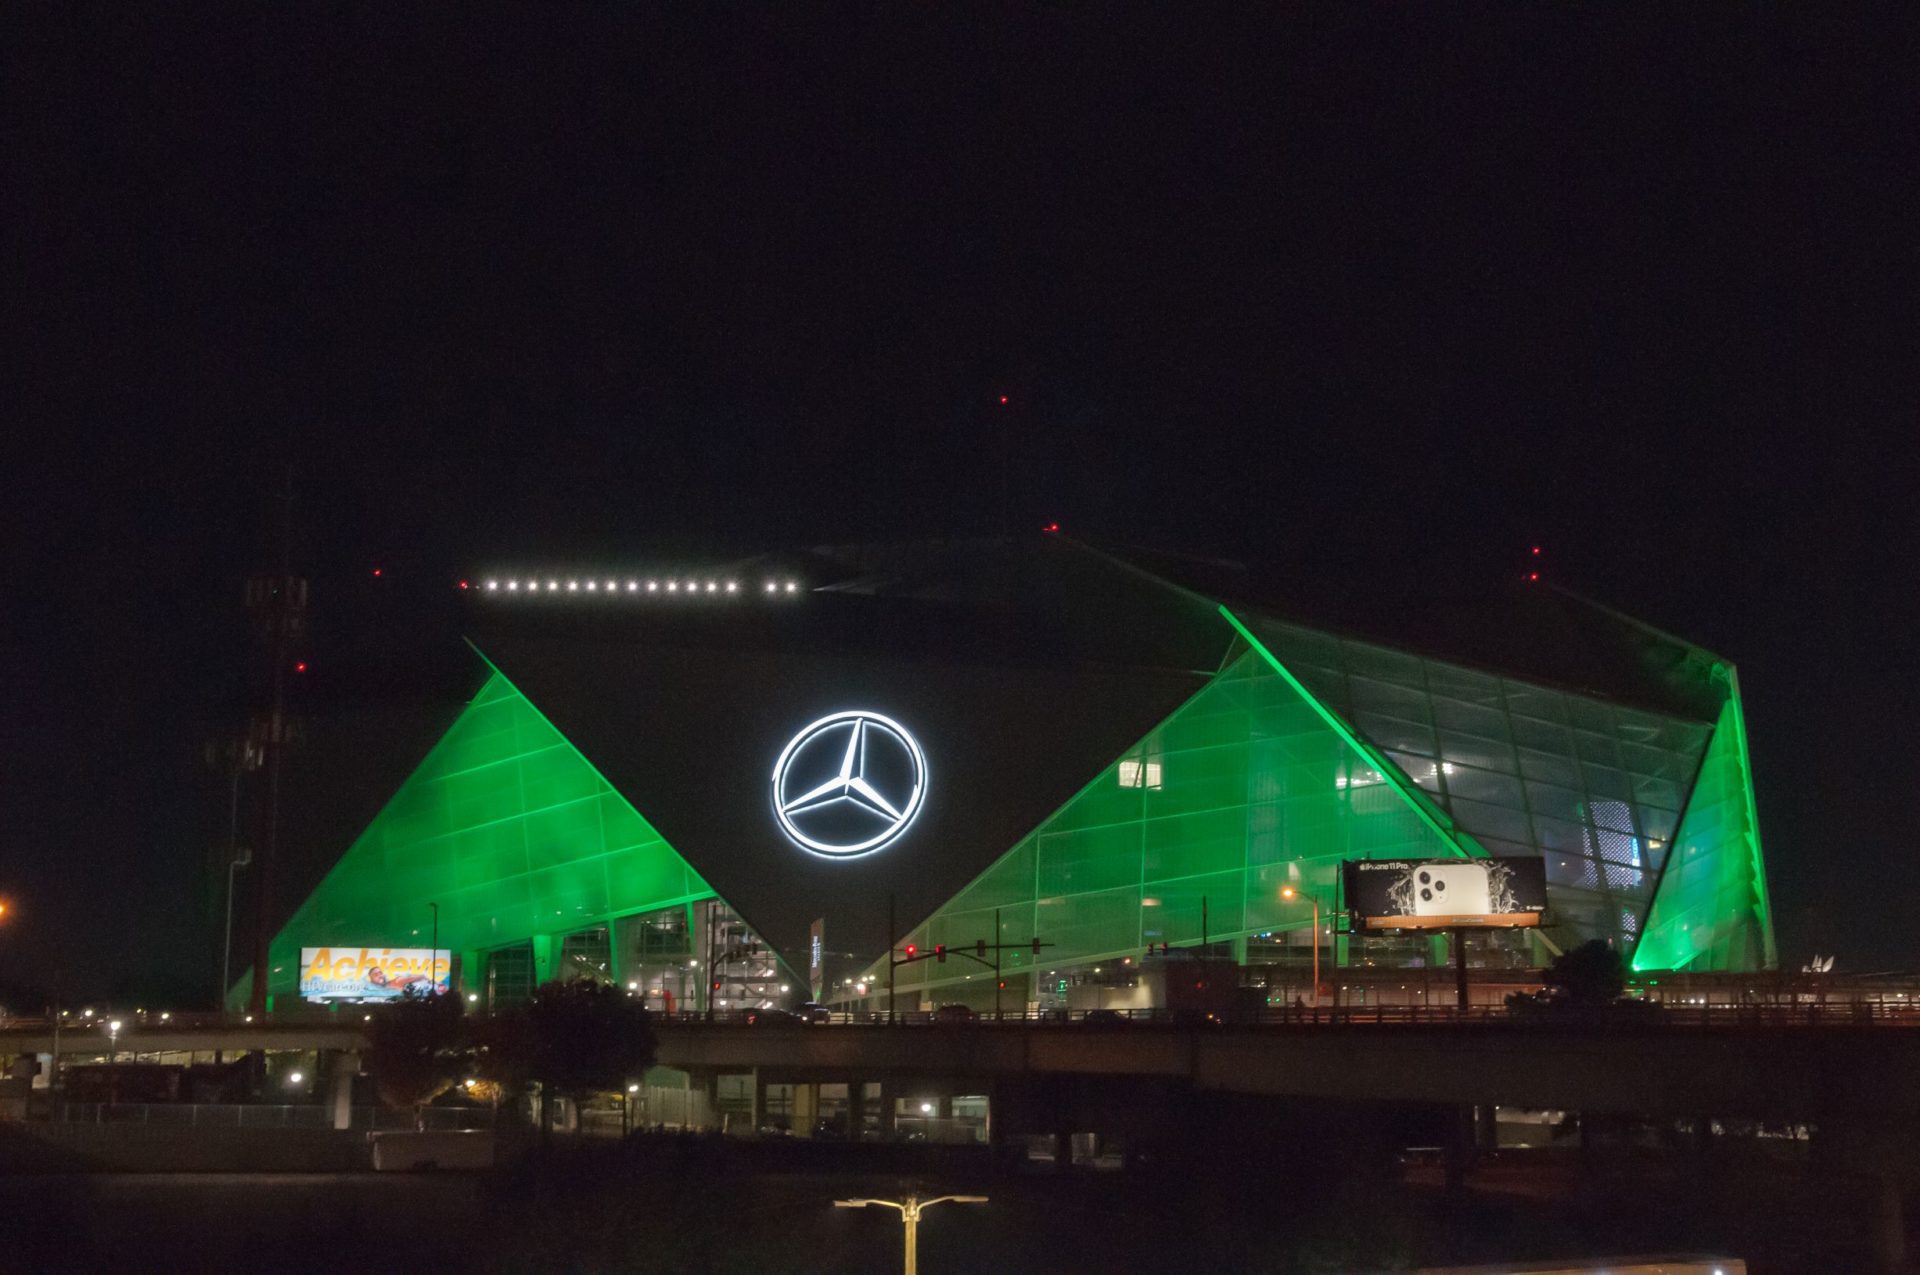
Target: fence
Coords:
[(207, 1115)]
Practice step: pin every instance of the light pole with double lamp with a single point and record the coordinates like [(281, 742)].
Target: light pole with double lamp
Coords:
[(910, 1210), (1288, 893)]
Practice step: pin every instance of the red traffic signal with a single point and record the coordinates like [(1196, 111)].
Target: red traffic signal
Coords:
[(911, 950), (940, 951)]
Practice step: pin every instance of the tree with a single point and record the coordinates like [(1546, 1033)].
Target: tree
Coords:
[(418, 1046), (1586, 983), (1591, 976), (574, 1038)]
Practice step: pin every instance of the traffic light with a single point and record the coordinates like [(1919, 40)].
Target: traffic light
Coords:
[(980, 948), (1036, 947), (940, 952), (911, 950), (1003, 984)]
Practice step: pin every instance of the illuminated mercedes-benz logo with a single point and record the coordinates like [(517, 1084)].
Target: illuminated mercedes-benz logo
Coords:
[(849, 784)]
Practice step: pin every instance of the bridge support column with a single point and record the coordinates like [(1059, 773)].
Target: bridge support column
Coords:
[(889, 1104), (340, 1068), (1459, 1147), (856, 1109), (757, 1112), (806, 1109), (1487, 1128), (703, 1100)]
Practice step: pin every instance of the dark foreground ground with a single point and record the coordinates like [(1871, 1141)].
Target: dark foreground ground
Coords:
[(668, 1205)]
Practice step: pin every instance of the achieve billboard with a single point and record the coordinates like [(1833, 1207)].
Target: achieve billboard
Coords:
[(373, 973), (1440, 894)]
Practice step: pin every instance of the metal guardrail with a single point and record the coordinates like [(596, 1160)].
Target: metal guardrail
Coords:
[(203, 1115), (1650, 1013)]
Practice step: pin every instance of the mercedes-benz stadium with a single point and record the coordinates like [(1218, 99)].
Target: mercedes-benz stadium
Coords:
[(1060, 766)]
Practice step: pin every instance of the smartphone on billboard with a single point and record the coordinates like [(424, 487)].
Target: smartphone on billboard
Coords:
[(1451, 889)]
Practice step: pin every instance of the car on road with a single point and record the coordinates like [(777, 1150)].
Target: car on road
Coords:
[(814, 1012), (1104, 1018), (773, 1018), (953, 1014)]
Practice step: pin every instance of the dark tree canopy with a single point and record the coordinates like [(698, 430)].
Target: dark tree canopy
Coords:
[(1592, 974), (574, 1037), (417, 1048)]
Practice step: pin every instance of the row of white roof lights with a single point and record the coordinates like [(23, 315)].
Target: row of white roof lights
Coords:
[(634, 586)]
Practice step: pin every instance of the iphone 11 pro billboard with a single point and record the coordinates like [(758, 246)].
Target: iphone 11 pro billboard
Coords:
[(1441, 894)]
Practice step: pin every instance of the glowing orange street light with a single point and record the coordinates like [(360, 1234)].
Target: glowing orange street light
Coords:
[(909, 1210), (1288, 893)]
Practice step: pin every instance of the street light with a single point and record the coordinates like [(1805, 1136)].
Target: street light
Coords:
[(113, 1063), (1288, 893), (910, 1210)]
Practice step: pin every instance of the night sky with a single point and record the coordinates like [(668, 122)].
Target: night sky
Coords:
[(1391, 292)]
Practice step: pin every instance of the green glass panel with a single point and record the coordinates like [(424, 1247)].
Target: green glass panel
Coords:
[(1519, 768), (1710, 911), (509, 829), (1244, 789)]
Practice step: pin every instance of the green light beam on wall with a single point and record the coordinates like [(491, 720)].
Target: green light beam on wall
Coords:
[(1710, 909), (506, 826), (1764, 904), (1451, 836)]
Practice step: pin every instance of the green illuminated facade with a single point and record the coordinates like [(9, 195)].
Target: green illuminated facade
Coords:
[(1308, 749), (1710, 907), (1264, 754), (539, 869)]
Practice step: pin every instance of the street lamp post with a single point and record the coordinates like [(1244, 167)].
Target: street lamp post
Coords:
[(113, 1063), (910, 1210), (237, 859), (1289, 893)]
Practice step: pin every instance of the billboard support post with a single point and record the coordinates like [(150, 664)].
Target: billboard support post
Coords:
[(1460, 964)]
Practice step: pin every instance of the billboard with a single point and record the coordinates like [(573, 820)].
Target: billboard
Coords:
[(373, 973), (1439, 894)]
